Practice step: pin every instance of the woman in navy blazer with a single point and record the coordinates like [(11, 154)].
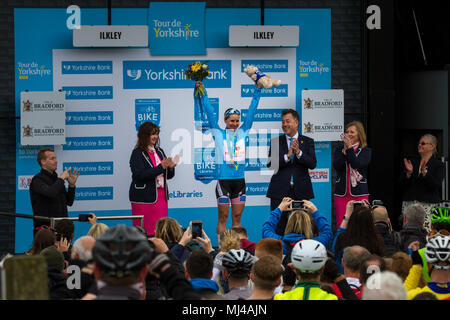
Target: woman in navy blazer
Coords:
[(351, 162), (150, 170)]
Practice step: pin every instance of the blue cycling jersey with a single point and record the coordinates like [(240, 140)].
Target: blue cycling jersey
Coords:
[(230, 145)]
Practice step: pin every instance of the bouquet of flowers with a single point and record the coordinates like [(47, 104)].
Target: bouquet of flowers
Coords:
[(197, 71)]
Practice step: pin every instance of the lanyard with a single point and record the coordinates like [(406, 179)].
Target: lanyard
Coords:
[(231, 144)]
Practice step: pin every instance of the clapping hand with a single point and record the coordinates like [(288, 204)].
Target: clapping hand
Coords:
[(423, 167), (166, 162), (65, 175), (73, 177), (346, 140), (408, 167), (295, 146)]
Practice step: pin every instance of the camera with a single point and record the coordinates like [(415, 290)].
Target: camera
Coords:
[(84, 217), (196, 229), (377, 203), (296, 204), (357, 204)]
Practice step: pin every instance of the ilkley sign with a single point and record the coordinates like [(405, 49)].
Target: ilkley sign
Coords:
[(111, 36), (263, 36)]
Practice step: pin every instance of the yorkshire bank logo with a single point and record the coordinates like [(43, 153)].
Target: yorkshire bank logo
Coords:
[(174, 29), (312, 67), (134, 74), (169, 74)]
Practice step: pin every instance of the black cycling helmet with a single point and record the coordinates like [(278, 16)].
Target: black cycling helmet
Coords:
[(121, 251), (238, 262)]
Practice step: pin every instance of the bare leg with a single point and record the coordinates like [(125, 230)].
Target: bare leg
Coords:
[(223, 217), (236, 213)]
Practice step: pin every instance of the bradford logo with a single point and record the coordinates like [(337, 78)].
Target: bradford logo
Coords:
[(27, 131), (308, 127), (308, 103), (27, 106)]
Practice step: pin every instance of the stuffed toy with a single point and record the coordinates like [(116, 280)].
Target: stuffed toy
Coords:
[(261, 79)]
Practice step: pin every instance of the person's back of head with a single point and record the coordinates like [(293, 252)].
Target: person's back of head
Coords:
[(361, 231), (44, 238), (352, 258), (266, 273), (401, 263), (168, 229), (65, 228), (380, 214), (269, 246), (437, 252), (120, 255), (229, 240), (237, 264), (241, 231), (385, 285), (371, 265), (440, 218), (97, 230), (415, 214), (308, 258), (199, 264), (54, 258), (425, 296), (82, 248), (299, 222)]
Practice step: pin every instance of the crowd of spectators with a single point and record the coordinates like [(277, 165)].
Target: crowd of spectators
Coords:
[(365, 259)]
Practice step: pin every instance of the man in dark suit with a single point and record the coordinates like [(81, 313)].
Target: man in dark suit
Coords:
[(290, 155)]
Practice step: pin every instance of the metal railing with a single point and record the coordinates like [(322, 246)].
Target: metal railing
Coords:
[(54, 219)]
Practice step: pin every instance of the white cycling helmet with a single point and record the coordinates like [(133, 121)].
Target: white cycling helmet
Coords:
[(437, 250), (309, 255)]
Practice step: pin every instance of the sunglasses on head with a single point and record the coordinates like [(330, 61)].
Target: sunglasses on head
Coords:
[(228, 113)]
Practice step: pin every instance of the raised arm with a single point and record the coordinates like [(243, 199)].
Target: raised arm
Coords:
[(248, 122), (204, 104)]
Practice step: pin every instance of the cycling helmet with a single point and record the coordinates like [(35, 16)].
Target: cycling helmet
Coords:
[(237, 262), (440, 214), (437, 250), (309, 255), (121, 251)]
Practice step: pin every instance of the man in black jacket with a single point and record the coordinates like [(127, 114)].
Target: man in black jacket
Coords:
[(290, 155), (49, 197)]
